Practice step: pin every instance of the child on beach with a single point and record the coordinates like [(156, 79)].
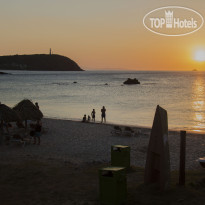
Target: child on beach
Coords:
[(103, 116), (93, 115), (84, 118)]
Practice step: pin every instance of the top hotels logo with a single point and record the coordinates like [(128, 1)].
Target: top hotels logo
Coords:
[(169, 19), (173, 21)]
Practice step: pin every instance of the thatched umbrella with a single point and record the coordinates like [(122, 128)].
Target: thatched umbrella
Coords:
[(28, 111), (8, 115)]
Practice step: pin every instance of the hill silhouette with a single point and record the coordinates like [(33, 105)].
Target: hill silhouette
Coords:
[(39, 62)]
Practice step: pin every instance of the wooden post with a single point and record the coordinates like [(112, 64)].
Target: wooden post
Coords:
[(182, 158)]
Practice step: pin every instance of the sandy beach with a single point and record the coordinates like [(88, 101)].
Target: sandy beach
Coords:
[(84, 143), (63, 169)]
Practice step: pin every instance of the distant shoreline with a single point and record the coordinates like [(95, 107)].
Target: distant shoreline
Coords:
[(38, 62)]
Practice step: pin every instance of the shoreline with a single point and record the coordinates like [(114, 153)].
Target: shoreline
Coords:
[(67, 141), (137, 111), (198, 132)]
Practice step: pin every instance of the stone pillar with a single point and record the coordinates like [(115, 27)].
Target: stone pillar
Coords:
[(157, 168)]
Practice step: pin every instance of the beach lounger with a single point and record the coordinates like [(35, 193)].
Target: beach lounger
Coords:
[(18, 141), (117, 131), (128, 132), (23, 139)]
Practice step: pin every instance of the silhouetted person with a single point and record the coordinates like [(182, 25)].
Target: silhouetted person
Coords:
[(4, 132), (93, 115), (88, 118), (36, 132), (103, 116), (1, 134), (36, 104), (84, 118)]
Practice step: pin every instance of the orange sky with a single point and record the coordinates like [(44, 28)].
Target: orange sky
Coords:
[(98, 34)]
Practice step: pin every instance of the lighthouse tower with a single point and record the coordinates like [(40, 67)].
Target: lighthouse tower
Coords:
[(50, 51)]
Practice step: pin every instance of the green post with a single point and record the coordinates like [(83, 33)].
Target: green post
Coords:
[(120, 156), (112, 185)]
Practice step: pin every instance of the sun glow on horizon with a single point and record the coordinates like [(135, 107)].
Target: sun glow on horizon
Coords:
[(199, 55)]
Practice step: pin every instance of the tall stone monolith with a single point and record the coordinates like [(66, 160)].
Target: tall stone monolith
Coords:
[(157, 168)]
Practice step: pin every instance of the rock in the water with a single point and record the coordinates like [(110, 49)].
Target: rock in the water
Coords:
[(74, 82), (130, 81), (3, 73)]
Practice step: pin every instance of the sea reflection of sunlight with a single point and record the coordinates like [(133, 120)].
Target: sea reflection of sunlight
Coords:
[(198, 104), (198, 116)]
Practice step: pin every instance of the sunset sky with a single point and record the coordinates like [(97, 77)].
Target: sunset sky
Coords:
[(99, 34)]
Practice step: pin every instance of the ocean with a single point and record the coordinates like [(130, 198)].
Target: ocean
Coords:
[(182, 94)]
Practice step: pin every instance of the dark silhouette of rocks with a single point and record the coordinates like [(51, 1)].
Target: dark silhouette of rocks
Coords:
[(130, 81), (39, 62), (3, 73)]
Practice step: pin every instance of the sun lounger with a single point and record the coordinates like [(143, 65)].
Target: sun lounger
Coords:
[(117, 131), (18, 141), (128, 131), (23, 139)]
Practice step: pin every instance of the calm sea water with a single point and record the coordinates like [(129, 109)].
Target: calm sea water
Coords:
[(180, 93)]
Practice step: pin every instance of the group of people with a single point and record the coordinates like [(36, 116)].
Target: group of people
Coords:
[(93, 114), (35, 130)]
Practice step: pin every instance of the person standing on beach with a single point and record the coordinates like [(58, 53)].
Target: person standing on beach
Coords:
[(103, 116), (36, 104), (38, 132), (93, 115)]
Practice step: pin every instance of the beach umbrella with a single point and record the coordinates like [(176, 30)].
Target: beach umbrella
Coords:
[(28, 111), (8, 115)]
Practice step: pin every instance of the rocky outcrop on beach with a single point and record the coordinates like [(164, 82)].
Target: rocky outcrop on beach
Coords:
[(130, 81), (38, 62), (3, 73)]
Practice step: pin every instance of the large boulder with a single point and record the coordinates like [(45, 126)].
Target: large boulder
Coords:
[(130, 81)]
